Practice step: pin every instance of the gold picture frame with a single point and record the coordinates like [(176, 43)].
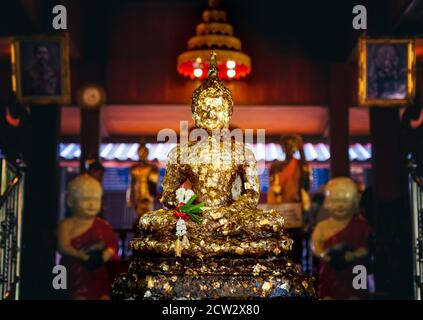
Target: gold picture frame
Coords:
[(386, 82), (40, 69)]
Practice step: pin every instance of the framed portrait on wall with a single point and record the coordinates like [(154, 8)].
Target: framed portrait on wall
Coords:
[(386, 72), (41, 69)]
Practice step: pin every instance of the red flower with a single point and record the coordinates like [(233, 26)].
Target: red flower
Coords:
[(180, 205), (181, 215)]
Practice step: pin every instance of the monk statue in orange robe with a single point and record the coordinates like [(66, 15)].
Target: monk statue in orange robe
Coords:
[(340, 242), (289, 177), (86, 242), (289, 181)]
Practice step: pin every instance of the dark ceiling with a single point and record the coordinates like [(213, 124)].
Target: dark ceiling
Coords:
[(321, 29), (109, 40), (130, 46)]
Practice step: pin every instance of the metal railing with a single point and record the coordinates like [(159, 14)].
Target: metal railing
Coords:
[(11, 209), (416, 197)]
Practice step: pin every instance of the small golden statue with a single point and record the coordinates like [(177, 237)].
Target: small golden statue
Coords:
[(143, 183), (234, 250), (289, 179)]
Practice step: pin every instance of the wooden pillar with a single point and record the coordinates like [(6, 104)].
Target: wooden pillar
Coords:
[(392, 218), (41, 207), (339, 97), (90, 135)]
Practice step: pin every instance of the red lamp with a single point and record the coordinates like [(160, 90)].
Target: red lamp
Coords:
[(214, 33)]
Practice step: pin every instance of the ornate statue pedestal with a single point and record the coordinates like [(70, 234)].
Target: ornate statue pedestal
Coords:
[(217, 278)]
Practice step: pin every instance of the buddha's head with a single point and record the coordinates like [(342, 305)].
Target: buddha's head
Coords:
[(142, 152), (290, 144), (83, 196), (341, 198), (212, 102)]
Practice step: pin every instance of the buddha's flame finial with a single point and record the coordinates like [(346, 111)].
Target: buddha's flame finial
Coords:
[(213, 72)]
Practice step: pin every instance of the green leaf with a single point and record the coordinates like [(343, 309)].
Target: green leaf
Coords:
[(195, 217), (191, 200), (196, 208)]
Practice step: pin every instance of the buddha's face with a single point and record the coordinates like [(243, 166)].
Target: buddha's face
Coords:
[(212, 112), (84, 197), (341, 198), (142, 153)]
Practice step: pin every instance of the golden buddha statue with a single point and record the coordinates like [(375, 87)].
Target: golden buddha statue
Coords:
[(234, 237), (143, 183)]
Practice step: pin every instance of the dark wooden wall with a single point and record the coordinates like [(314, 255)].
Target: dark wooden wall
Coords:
[(142, 51)]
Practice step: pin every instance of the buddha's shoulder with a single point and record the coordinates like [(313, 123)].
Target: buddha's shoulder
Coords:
[(175, 152), (242, 147), (181, 147), (247, 147), (248, 151)]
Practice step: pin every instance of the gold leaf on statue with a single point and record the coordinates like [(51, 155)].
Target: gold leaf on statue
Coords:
[(216, 215), (266, 286), (264, 222), (167, 287), (164, 266), (150, 282), (239, 251)]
